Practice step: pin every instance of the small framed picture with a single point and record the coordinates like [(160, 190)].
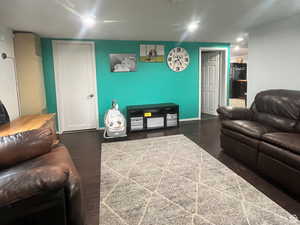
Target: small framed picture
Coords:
[(152, 53), (122, 62)]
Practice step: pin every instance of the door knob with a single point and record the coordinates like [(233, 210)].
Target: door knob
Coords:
[(91, 95)]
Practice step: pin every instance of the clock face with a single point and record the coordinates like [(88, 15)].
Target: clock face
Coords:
[(178, 59)]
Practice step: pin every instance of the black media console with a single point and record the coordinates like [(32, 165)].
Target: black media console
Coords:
[(156, 116)]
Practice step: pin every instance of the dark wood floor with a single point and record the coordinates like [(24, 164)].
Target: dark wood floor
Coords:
[(85, 150), (205, 116)]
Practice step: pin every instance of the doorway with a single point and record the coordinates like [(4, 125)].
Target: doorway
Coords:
[(238, 77), (75, 78), (213, 81)]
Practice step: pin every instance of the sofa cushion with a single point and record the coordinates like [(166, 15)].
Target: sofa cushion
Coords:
[(281, 123), (288, 141), (248, 128), (282, 155), (23, 146), (282, 103)]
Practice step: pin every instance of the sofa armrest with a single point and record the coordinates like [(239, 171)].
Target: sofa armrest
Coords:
[(59, 156), (236, 113), (18, 185), (23, 146)]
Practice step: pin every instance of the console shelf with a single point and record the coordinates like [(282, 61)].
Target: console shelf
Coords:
[(155, 116)]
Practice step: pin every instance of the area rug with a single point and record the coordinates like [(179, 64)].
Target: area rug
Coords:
[(172, 181)]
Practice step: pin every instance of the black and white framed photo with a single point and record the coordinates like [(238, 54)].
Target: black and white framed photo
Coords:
[(122, 62), (152, 53)]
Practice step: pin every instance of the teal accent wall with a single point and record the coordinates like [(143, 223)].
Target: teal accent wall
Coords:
[(152, 83)]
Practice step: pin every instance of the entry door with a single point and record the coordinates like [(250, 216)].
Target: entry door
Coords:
[(210, 82), (76, 85)]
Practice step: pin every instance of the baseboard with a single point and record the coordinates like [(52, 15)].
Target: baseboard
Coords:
[(78, 131), (181, 120), (189, 119)]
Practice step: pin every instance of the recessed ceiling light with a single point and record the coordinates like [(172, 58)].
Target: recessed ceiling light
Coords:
[(193, 26), (88, 20), (239, 39), (112, 21)]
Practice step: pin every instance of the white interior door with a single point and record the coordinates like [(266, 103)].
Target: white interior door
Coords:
[(76, 85), (210, 82), (8, 79)]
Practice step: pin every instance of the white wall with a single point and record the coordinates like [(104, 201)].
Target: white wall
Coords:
[(8, 87), (238, 59), (274, 57), (238, 54)]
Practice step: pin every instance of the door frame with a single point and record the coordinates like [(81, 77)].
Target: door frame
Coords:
[(56, 77), (225, 94)]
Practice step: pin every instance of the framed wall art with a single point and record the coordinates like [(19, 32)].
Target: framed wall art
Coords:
[(122, 62), (152, 53)]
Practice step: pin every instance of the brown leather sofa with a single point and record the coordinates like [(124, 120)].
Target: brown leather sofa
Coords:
[(39, 183), (266, 137)]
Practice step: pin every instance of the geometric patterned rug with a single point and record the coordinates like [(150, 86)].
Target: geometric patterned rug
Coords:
[(172, 181)]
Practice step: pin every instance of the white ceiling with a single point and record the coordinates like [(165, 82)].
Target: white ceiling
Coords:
[(220, 20)]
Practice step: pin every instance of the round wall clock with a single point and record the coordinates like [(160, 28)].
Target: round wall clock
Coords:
[(178, 59)]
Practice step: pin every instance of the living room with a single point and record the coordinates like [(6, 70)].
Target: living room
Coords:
[(121, 112)]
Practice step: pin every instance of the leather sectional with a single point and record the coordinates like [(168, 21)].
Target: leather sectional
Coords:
[(39, 183), (266, 137)]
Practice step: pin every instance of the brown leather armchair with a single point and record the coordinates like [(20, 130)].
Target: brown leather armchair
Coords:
[(4, 117), (266, 137), (38, 182)]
